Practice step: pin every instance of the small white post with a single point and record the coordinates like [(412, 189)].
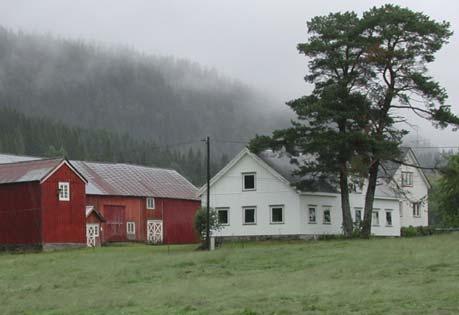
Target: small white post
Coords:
[(212, 243)]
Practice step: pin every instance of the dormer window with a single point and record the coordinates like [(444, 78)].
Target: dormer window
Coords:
[(407, 179), (248, 181)]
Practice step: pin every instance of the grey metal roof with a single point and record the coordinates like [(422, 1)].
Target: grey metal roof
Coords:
[(27, 171), (286, 165), (9, 158), (119, 179)]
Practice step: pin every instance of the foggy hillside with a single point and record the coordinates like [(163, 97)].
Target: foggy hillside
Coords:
[(155, 98)]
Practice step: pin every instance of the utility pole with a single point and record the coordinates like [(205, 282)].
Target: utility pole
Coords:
[(207, 140)]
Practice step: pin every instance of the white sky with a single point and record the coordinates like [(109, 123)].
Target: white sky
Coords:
[(251, 40)]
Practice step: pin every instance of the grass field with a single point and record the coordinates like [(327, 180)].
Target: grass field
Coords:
[(380, 276)]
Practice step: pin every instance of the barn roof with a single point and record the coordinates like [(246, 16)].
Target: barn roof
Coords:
[(31, 170), (119, 179), (10, 158)]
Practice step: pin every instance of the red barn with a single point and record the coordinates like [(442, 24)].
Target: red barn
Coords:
[(140, 203), (42, 204)]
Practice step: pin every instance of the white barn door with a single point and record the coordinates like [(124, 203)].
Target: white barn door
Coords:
[(92, 232), (155, 231)]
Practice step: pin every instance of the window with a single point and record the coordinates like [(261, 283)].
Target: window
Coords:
[(130, 227), (277, 214), (223, 216), (312, 214), (327, 215), (388, 217), (416, 207), (250, 214), (375, 218), (64, 191), (150, 203), (407, 179), (248, 181), (358, 215)]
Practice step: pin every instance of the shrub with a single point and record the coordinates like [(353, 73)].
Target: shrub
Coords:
[(412, 231)]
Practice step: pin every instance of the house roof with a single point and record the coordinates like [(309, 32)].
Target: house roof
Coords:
[(31, 170), (121, 179), (283, 165), (286, 165)]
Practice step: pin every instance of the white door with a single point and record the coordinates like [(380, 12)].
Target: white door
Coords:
[(155, 231), (92, 232)]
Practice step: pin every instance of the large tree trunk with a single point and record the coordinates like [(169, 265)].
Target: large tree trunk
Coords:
[(369, 199), (345, 206)]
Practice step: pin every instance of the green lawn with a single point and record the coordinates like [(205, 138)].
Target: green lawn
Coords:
[(380, 276)]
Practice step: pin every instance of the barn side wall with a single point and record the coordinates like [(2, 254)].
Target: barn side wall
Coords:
[(64, 222), (114, 229), (178, 219), (20, 215)]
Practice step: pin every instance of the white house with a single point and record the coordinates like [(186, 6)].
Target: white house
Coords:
[(255, 198)]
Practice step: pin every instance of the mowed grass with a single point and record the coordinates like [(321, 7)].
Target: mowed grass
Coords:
[(380, 276)]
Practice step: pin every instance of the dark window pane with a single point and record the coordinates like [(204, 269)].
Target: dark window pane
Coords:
[(389, 218), (249, 216), (249, 181), (223, 216), (277, 214), (327, 216)]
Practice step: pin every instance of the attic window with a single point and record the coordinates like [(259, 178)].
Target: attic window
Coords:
[(64, 191), (407, 179), (150, 203), (248, 181)]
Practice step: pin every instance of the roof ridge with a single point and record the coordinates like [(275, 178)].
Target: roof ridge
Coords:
[(27, 156), (126, 163), (34, 161)]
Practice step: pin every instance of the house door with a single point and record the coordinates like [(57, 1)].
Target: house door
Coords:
[(155, 231), (92, 233)]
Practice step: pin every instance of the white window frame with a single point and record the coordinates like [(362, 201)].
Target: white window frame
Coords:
[(271, 214), (407, 179), (373, 213), (254, 215), (130, 228), (227, 215), (416, 208), (62, 195), (329, 209), (254, 174), (150, 203), (386, 211), (312, 207)]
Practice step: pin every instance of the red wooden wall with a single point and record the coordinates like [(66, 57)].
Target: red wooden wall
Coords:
[(177, 216), (178, 219), (111, 208), (64, 221), (20, 214)]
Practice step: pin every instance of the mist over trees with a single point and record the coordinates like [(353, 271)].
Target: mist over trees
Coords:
[(44, 138), (152, 98)]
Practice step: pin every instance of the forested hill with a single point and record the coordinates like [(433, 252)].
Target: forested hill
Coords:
[(41, 137), (154, 98)]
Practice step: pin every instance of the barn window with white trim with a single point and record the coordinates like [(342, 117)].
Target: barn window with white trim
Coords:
[(64, 191)]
